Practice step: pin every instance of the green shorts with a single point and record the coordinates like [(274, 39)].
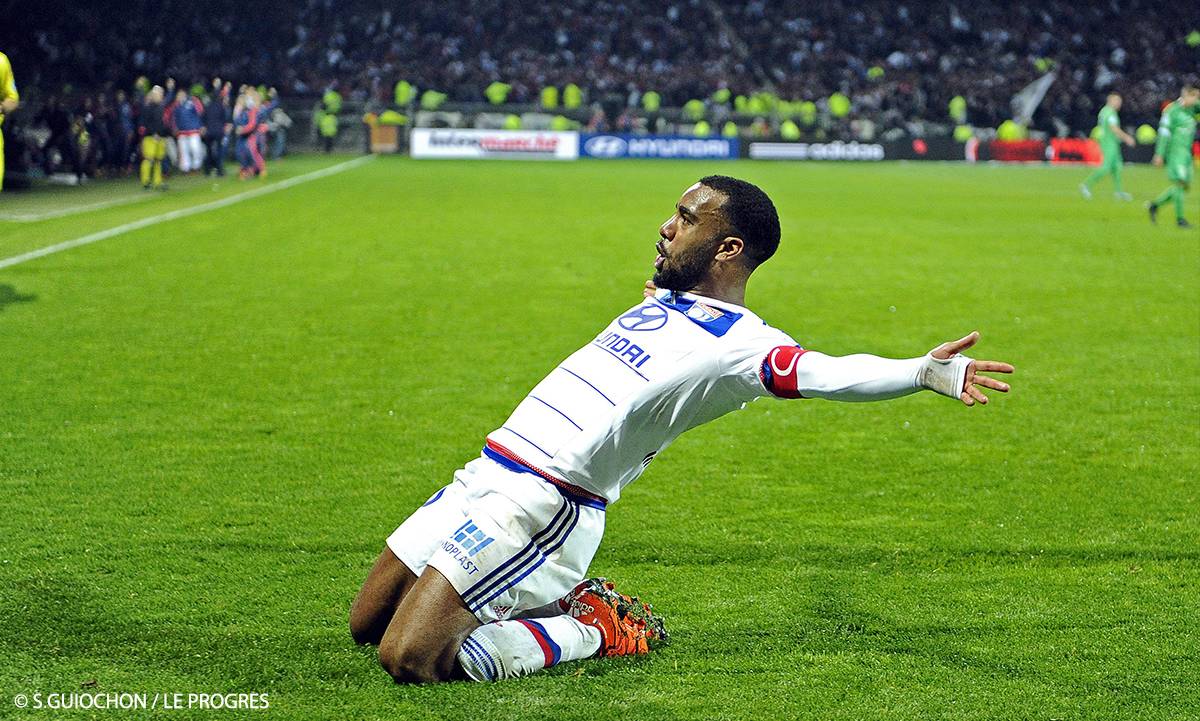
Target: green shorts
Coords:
[(1179, 169)]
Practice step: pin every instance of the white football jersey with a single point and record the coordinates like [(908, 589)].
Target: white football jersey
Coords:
[(669, 364)]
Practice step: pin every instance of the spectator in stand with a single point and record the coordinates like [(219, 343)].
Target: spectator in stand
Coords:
[(185, 119), (94, 124), (228, 143), (121, 130), (278, 124), (245, 128), (898, 62), (62, 137), (217, 124), (264, 127), (172, 148)]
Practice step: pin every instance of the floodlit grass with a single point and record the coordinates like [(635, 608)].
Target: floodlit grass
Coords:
[(208, 427)]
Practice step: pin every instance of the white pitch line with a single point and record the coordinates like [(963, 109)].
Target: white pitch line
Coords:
[(182, 212), (19, 217)]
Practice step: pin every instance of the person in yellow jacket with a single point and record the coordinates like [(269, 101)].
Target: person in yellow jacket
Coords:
[(153, 129), (9, 100)]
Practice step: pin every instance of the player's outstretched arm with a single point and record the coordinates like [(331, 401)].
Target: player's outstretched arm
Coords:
[(793, 372)]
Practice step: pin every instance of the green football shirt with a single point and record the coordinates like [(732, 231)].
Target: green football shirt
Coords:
[(1176, 131), (1106, 121)]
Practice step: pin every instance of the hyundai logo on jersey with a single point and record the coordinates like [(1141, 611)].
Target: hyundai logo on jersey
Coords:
[(623, 349), (645, 317)]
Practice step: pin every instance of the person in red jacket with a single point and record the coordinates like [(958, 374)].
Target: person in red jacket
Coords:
[(245, 128)]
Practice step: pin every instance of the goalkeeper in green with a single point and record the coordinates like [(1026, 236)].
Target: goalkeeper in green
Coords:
[(1176, 132), (1111, 137)]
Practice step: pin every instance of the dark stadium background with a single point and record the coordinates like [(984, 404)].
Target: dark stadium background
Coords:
[(899, 63)]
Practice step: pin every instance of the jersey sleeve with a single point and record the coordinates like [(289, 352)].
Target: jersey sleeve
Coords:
[(758, 366), (786, 370)]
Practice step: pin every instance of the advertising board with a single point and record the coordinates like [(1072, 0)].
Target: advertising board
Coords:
[(469, 143), (613, 146)]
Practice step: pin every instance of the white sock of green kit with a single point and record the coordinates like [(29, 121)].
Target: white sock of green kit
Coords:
[(507, 649)]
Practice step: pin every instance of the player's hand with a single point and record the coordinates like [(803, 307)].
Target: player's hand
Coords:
[(1129, 142), (649, 290), (973, 381), (1157, 162)]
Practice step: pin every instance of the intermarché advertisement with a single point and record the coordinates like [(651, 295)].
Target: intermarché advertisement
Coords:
[(468, 143)]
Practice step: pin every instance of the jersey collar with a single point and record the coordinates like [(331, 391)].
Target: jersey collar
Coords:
[(714, 316)]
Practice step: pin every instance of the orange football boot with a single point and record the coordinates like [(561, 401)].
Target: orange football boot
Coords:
[(626, 624)]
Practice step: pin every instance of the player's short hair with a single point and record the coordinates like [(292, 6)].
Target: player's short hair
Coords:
[(750, 214)]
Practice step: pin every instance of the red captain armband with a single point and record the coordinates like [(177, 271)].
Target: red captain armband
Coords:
[(778, 371)]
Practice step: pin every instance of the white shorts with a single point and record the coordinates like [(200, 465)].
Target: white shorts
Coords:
[(507, 541)]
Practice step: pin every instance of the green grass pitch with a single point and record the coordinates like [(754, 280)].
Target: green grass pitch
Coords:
[(208, 427)]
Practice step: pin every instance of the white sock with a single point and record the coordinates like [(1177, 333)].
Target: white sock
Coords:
[(507, 649), (554, 608)]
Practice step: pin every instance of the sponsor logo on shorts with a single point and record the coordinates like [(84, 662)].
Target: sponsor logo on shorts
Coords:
[(471, 538), (459, 555), (464, 543)]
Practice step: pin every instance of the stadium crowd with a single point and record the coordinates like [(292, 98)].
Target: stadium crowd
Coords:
[(189, 130), (899, 64)]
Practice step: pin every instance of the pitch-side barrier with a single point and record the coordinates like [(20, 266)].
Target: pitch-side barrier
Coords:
[(467, 143)]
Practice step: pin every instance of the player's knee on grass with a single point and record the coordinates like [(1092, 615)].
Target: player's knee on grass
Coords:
[(366, 625), (406, 664), (414, 660), (377, 600), (422, 640)]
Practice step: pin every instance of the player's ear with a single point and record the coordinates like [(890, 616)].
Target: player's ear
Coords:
[(730, 248)]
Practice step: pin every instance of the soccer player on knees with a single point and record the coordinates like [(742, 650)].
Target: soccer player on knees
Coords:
[(1176, 133), (486, 580)]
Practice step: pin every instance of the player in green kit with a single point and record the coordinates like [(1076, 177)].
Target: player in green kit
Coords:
[(1176, 132), (1111, 137)]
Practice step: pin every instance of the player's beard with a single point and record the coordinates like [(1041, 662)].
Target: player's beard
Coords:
[(684, 270)]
